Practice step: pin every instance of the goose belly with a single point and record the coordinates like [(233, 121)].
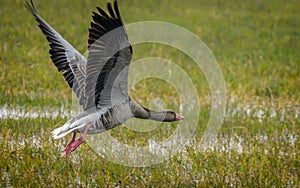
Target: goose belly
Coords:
[(108, 119)]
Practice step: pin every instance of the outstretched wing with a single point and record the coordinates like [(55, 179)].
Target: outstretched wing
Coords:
[(108, 61), (66, 59)]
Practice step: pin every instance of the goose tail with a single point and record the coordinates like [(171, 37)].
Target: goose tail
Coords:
[(74, 124), (67, 128), (61, 131)]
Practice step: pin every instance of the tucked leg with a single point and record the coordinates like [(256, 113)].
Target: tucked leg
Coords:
[(74, 144)]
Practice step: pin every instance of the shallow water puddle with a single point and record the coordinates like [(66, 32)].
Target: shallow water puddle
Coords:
[(261, 113), (289, 113), (19, 112)]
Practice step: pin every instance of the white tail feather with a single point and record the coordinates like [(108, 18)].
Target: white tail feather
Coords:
[(67, 128), (75, 124), (62, 131)]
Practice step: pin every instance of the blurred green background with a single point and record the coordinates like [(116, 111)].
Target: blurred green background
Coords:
[(257, 46)]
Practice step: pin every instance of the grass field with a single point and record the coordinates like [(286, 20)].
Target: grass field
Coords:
[(257, 46)]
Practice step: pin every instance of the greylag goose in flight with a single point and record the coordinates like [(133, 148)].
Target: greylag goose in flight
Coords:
[(100, 81)]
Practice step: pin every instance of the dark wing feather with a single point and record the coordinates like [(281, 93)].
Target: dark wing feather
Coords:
[(108, 61), (66, 59), (117, 11), (110, 10)]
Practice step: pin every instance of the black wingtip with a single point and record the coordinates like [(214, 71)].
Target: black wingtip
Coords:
[(30, 6), (117, 10), (102, 12), (110, 10)]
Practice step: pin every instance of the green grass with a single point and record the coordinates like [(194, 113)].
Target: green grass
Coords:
[(257, 46)]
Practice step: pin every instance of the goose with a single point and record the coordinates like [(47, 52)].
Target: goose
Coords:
[(99, 82)]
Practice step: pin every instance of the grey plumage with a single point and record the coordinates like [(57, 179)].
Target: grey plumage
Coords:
[(100, 81)]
